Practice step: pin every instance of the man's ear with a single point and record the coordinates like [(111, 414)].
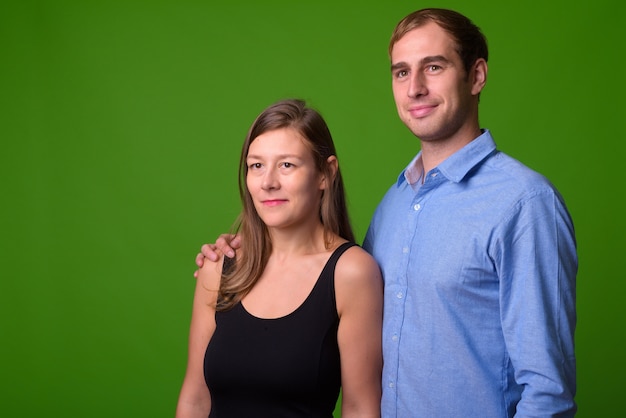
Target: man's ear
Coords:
[(479, 76), (333, 166)]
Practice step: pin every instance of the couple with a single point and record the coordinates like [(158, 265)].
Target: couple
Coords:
[(477, 254)]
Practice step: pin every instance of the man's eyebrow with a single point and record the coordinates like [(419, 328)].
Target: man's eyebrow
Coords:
[(398, 65), (434, 58), (426, 60)]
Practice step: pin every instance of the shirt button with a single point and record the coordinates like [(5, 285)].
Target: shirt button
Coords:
[(391, 385), (399, 295), (433, 175), (394, 338), (417, 206), (405, 250)]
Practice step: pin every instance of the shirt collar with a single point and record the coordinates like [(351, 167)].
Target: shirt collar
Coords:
[(456, 166)]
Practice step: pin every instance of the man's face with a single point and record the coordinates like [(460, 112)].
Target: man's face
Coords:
[(435, 97)]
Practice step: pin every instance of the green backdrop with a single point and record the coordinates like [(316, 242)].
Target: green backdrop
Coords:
[(120, 129)]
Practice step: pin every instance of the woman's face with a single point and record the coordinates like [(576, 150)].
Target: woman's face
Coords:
[(282, 179)]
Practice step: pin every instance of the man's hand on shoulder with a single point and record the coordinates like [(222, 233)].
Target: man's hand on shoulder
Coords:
[(226, 244)]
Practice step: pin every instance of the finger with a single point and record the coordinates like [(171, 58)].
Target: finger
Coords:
[(209, 251), (236, 242), (200, 260), (222, 245)]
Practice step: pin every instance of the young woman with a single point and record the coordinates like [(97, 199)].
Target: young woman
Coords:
[(296, 315)]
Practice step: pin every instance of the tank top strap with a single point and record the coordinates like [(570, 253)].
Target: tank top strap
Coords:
[(332, 261), (328, 272)]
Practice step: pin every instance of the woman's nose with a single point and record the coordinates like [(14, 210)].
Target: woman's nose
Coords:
[(270, 180)]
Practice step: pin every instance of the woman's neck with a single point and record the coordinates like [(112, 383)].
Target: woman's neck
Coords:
[(290, 243)]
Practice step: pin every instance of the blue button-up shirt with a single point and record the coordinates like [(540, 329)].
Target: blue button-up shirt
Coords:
[(479, 264)]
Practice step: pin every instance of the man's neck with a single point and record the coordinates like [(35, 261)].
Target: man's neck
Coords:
[(436, 152)]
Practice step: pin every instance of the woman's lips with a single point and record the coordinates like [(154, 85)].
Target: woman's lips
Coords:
[(273, 202)]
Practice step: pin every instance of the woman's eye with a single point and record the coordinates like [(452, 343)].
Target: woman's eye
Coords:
[(287, 165), (255, 165)]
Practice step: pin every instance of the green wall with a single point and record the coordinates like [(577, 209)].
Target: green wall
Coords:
[(120, 128)]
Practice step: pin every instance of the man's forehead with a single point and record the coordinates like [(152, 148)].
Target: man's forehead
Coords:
[(425, 35), (423, 42)]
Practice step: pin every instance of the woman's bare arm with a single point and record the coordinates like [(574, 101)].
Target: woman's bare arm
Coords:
[(359, 292)]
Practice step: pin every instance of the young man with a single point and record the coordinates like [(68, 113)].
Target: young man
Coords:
[(477, 251)]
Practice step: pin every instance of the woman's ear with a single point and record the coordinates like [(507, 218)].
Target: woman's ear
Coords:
[(333, 166)]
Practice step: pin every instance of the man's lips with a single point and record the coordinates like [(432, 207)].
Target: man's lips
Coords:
[(421, 110)]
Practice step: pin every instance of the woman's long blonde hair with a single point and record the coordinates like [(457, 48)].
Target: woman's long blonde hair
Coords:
[(240, 277)]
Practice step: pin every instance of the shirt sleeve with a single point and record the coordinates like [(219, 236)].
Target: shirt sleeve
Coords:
[(535, 254), (368, 242)]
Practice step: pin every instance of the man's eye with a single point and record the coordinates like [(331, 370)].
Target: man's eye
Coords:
[(432, 68), (401, 74)]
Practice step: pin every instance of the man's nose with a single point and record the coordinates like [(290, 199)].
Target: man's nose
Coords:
[(417, 86)]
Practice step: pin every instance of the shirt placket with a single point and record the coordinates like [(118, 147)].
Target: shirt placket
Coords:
[(406, 281)]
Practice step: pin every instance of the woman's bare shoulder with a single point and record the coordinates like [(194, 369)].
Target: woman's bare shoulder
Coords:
[(358, 283), (356, 266)]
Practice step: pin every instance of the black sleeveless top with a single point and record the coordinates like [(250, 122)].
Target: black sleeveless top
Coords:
[(284, 367)]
